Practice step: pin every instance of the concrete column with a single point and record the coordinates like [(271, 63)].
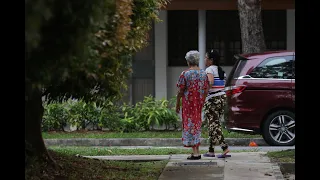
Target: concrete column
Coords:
[(202, 37), (161, 56), (290, 29)]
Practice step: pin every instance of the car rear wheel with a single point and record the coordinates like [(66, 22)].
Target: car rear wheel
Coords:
[(279, 129)]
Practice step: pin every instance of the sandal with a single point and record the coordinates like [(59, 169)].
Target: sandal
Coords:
[(225, 154), (208, 155), (192, 157)]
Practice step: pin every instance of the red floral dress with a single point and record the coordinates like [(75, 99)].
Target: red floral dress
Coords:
[(193, 83)]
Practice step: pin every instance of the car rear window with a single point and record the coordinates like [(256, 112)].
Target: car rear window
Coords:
[(236, 70)]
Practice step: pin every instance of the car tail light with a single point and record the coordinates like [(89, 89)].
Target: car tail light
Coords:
[(231, 90)]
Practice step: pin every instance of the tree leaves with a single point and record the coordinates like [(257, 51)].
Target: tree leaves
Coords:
[(87, 45)]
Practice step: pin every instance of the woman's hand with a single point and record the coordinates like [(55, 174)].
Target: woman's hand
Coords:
[(178, 108), (179, 95)]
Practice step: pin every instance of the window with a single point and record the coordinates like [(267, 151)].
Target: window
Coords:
[(223, 33), (182, 35), (236, 70), (293, 68), (275, 68), (274, 24)]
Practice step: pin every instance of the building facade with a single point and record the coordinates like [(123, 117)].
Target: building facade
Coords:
[(201, 25)]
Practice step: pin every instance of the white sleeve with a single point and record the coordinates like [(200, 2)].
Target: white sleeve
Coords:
[(209, 70)]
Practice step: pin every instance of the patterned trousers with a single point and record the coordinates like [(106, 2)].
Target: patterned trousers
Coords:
[(214, 109)]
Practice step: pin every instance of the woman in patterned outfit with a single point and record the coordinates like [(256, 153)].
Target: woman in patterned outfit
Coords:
[(214, 104), (192, 88)]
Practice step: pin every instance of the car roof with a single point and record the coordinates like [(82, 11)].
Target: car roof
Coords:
[(267, 54)]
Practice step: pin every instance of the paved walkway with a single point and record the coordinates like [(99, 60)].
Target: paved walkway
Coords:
[(241, 166), (217, 148)]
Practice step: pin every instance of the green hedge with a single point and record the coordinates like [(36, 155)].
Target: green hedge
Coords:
[(144, 115)]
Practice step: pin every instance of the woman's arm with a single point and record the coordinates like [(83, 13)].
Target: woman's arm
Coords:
[(211, 79), (181, 84), (210, 76), (206, 90), (179, 96), (206, 86)]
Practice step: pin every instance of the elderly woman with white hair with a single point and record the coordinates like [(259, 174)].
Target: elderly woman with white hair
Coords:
[(193, 87)]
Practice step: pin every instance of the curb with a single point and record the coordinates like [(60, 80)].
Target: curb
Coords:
[(140, 158), (287, 167), (277, 172), (164, 142)]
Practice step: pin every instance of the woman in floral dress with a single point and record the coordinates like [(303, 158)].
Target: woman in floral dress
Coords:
[(193, 89)]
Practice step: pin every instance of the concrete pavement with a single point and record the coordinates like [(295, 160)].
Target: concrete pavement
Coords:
[(217, 148), (241, 166)]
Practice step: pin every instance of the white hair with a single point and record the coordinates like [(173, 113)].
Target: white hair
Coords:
[(193, 57)]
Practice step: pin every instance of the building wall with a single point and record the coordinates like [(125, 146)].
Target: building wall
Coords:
[(161, 56), (290, 29), (166, 77), (142, 82)]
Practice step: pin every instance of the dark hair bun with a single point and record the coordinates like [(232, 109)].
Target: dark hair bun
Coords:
[(214, 54)]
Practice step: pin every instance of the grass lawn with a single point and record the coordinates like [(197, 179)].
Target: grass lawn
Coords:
[(147, 134), (286, 160), (77, 168), (282, 156), (109, 151)]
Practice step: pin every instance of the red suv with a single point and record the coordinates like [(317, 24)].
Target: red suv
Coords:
[(261, 96)]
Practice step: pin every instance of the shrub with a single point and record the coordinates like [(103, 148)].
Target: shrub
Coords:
[(83, 114), (110, 116), (126, 118), (55, 117), (151, 112), (146, 113)]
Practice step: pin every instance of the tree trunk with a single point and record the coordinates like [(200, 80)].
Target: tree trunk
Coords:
[(33, 118), (252, 36)]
